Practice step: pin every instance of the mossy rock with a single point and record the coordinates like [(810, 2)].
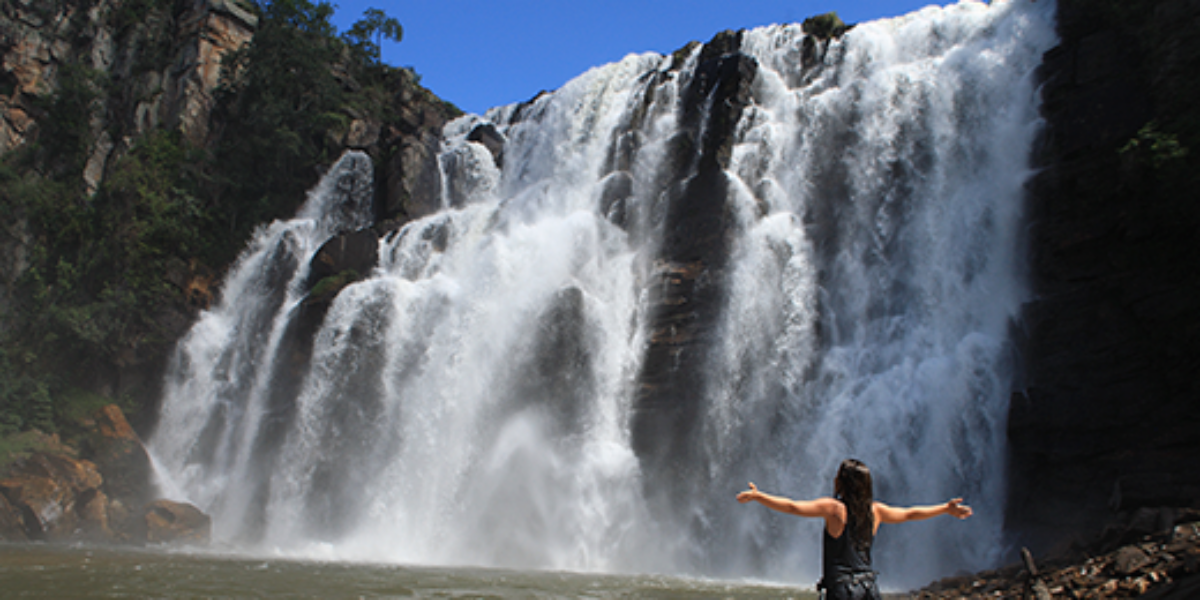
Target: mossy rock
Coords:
[(330, 286)]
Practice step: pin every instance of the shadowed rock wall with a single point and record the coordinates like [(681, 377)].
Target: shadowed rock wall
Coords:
[(1108, 417)]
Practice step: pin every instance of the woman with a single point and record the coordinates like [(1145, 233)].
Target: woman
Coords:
[(851, 519)]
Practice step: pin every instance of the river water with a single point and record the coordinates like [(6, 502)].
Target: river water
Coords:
[(66, 572)]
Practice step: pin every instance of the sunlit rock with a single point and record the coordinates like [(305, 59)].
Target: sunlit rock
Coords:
[(46, 490)]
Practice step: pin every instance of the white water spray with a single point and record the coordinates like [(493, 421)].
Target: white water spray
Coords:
[(470, 401)]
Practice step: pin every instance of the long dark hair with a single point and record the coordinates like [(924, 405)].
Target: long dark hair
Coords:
[(853, 486)]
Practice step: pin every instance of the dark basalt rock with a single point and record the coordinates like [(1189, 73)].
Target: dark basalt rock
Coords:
[(487, 135), (357, 251), (1106, 420), (410, 181), (615, 192), (556, 376), (690, 268)]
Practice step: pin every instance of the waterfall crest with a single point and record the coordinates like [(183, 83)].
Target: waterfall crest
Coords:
[(745, 261)]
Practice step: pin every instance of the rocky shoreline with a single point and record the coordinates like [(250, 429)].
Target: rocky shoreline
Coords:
[(1122, 563), (97, 490)]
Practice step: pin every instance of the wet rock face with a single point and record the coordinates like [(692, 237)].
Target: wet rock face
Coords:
[(355, 251), (1106, 421), (690, 269)]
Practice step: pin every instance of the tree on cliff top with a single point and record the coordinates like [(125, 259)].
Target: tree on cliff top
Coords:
[(281, 98), (278, 97), (375, 23)]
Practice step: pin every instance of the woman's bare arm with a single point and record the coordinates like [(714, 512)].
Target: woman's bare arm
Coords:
[(826, 508), (892, 514)]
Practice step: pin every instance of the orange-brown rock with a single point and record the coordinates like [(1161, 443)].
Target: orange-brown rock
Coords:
[(119, 456), (45, 489), (214, 28), (168, 521)]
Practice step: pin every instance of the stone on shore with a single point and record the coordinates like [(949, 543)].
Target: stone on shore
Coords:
[(1165, 565), (54, 497), (176, 522), (119, 456)]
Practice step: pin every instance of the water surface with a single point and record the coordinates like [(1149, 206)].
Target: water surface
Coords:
[(66, 572)]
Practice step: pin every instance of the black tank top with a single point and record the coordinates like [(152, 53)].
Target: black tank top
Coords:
[(846, 571), (840, 557)]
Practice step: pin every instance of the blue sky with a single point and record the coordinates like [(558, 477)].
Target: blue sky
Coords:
[(484, 53)]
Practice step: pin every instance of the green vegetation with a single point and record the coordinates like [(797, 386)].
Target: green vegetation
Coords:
[(279, 98), (66, 132), (107, 274), (1155, 148), (95, 281), (826, 26), (287, 97), (15, 446), (334, 283), (375, 23)]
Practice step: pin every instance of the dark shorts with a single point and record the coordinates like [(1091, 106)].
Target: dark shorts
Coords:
[(853, 587)]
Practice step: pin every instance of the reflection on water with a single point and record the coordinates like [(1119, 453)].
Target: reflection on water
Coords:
[(63, 573)]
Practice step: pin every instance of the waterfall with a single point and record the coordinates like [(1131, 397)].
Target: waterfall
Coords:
[(491, 394)]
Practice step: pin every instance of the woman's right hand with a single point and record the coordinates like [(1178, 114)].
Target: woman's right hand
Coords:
[(956, 508), (749, 495)]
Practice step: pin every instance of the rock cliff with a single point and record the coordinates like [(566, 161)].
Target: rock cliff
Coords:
[(1106, 420), (95, 95), (165, 66)]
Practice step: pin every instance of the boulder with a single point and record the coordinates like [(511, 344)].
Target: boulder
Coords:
[(168, 521), (489, 137), (615, 191), (357, 252), (1129, 560), (119, 456), (12, 524), (91, 508), (46, 491)]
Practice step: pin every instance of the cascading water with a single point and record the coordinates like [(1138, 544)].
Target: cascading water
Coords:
[(471, 401)]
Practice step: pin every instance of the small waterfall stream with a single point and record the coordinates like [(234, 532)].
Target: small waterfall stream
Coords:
[(470, 401)]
